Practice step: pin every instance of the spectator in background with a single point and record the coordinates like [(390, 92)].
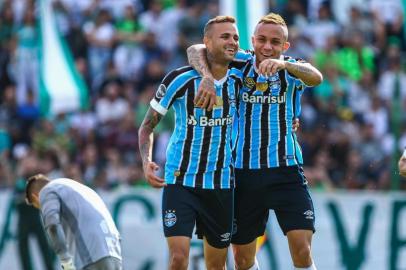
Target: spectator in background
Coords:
[(129, 56), (111, 108), (100, 36), (325, 26), (389, 18), (27, 57), (355, 57)]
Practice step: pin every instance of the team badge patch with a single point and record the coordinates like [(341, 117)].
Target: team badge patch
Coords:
[(249, 82), (170, 218), (160, 93)]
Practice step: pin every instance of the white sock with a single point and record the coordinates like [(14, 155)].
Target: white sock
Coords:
[(311, 267)]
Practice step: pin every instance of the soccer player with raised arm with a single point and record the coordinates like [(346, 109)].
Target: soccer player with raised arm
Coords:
[(78, 223), (268, 158), (198, 186)]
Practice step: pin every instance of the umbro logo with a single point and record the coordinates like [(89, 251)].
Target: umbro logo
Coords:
[(225, 237), (309, 214)]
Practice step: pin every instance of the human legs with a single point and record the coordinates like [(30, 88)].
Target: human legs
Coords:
[(244, 256), (296, 216), (300, 248), (215, 258), (179, 247)]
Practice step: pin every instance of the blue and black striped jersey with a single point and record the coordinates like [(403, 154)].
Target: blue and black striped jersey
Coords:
[(267, 108), (199, 153)]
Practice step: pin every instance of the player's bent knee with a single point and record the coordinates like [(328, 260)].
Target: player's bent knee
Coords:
[(178, 260), (302, 257), (243, 261)]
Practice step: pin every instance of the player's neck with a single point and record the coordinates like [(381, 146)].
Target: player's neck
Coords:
[(218, 69)]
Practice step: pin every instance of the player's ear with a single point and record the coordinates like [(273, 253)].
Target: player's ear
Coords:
[(206, 40), (286, 46)]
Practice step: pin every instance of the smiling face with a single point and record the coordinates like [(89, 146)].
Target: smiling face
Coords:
[(269, 41), (221, 39)]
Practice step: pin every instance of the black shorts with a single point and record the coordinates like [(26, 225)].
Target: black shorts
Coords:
[(282, 189), (210, 209)]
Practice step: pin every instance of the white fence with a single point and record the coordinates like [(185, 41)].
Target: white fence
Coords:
[(355, 230)]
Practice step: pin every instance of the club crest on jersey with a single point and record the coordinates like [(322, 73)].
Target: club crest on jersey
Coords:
[(249, 82), (160, 93), (219, 102), (170, 218)]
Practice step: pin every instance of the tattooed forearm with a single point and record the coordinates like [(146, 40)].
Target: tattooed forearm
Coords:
[(197, 59), (306, 72), (145, 134)]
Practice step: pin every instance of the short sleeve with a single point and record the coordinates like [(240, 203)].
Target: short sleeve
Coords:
[(170, 88)]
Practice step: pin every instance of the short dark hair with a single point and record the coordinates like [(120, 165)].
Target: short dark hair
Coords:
[(34, 183), (215, 20)]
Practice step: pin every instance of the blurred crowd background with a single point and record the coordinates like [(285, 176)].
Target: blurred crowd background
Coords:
[(352, 127)]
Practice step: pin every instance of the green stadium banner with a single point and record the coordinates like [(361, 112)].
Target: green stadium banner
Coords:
[(62, 89), (247, 13)]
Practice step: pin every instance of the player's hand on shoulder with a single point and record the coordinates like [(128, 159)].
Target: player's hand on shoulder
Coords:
[(150, 169), (270, 66), (206, 94), (68, 264)]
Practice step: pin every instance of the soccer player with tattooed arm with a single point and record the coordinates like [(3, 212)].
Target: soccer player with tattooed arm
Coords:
[(268, 157), (198, 183)]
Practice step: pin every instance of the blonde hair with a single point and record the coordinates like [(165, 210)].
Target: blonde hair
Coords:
[(273, 18), (215, 20)]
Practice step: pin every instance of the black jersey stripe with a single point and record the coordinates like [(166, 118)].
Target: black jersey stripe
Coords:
[(223, 133), (263, 152), (247, 129), (282, 121), (204, 151), (187, 145)]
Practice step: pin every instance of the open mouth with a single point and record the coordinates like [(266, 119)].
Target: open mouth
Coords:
[(230, 50)]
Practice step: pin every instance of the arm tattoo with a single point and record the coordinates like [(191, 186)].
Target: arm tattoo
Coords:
[(197, 59), (306, 72), (303, 69), (145, 134)]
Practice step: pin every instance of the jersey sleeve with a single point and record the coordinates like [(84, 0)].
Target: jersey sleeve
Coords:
[(168, 91), (50, 208), (241, 59)]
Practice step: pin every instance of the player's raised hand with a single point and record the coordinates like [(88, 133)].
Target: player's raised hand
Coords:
[(206, 94), (270, 66), (149, 171), (68, 264)]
